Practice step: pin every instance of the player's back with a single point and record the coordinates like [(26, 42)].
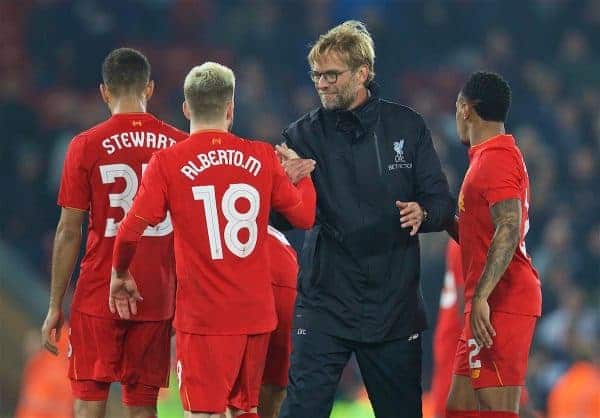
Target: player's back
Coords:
[(103, 168), (284, 260), (496, 173), (219, 190)]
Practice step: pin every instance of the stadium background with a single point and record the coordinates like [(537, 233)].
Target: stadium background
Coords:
[(549, 50)]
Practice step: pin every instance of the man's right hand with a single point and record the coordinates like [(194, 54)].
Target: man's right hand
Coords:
[(298, 168), (285, 154), (295, 167), (54, 321), (124, 295)]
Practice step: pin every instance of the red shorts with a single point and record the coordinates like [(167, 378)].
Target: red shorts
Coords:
[(280, 344), (505, 363), (102, 350), (217, 371)]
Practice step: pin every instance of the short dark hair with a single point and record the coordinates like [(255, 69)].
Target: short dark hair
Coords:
[(489, 94), (125, 70)]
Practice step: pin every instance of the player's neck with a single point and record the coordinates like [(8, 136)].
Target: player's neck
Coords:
[(128, 105), (197, 126), (485, 131)]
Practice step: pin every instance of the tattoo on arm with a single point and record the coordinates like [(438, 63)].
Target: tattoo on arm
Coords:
[(506, 216)]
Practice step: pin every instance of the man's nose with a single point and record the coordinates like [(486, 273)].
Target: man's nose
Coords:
[(322, 84)]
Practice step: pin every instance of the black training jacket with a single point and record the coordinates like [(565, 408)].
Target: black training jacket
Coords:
[(359, 270)]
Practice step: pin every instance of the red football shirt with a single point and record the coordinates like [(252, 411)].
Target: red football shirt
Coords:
[(101, 174), (448, 328), (284, 261), (219, 189), (496, 172)]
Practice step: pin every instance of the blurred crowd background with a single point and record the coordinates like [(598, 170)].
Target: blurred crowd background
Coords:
[(548, 50)]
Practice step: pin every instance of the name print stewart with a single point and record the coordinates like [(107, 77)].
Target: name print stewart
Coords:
[(136, 139), (219, 157)]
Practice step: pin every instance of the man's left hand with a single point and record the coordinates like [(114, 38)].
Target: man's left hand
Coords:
[(411, 215), (481, 327)]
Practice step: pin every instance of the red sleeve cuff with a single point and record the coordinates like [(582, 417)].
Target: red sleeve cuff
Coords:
[(130, 233)]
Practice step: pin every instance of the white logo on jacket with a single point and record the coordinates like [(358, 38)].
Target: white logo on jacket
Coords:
[(399, 160)]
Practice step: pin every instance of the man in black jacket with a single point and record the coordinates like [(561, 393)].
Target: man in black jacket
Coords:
[(379, 182)]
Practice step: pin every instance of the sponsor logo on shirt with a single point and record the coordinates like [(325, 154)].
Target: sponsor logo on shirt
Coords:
[(399, 159), (216, 141), (137, 123), (461, 202)]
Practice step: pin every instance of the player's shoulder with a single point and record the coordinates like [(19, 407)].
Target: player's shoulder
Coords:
[(95, 132), (173, 132), (506, 149), (256, 144)]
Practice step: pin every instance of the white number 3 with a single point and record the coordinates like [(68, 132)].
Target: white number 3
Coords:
[(124, 200)]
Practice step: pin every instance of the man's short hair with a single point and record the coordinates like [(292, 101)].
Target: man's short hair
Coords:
[(352, 41), (489, 94), (207, 89), (125, 71)]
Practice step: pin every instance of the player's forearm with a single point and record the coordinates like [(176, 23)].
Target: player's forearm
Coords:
[(507, 219), (67, 243), (129, 234), (304, 217)]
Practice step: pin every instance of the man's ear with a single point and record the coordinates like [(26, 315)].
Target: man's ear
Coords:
[(104, 93), (186, 110), (149, 90), (363, 74)]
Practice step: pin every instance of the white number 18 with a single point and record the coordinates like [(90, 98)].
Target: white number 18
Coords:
[(236, 220)]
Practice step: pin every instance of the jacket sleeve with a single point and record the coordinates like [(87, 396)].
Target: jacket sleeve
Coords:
[(432, 191), (276, 219)]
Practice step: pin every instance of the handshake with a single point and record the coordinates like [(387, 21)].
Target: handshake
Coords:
[(295, 167)]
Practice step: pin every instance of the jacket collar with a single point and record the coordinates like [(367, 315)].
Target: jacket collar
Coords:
[(356, 121)]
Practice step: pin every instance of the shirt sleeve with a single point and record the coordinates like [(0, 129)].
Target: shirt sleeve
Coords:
[(296, 203), (150, 203), (432, 191), (128, 237), (501, 171), (75, 190)]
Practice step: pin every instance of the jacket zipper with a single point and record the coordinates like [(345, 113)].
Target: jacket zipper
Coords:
[(377, 153)]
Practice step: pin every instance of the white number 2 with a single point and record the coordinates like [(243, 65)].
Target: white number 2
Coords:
[(236, 220), (474, 364), (124, 200)]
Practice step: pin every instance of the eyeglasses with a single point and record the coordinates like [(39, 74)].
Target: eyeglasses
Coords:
[(330, 76)]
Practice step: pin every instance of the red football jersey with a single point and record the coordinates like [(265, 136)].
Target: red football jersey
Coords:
[(101, 174), (496, 172), (448, 328), (284, 261), (219, 190)]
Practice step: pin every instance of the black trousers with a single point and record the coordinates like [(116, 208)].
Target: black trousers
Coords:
[(391, 371)]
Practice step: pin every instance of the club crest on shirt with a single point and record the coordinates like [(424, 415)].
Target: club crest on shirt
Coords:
[(216, 141), (461, 202), (399, 159)]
